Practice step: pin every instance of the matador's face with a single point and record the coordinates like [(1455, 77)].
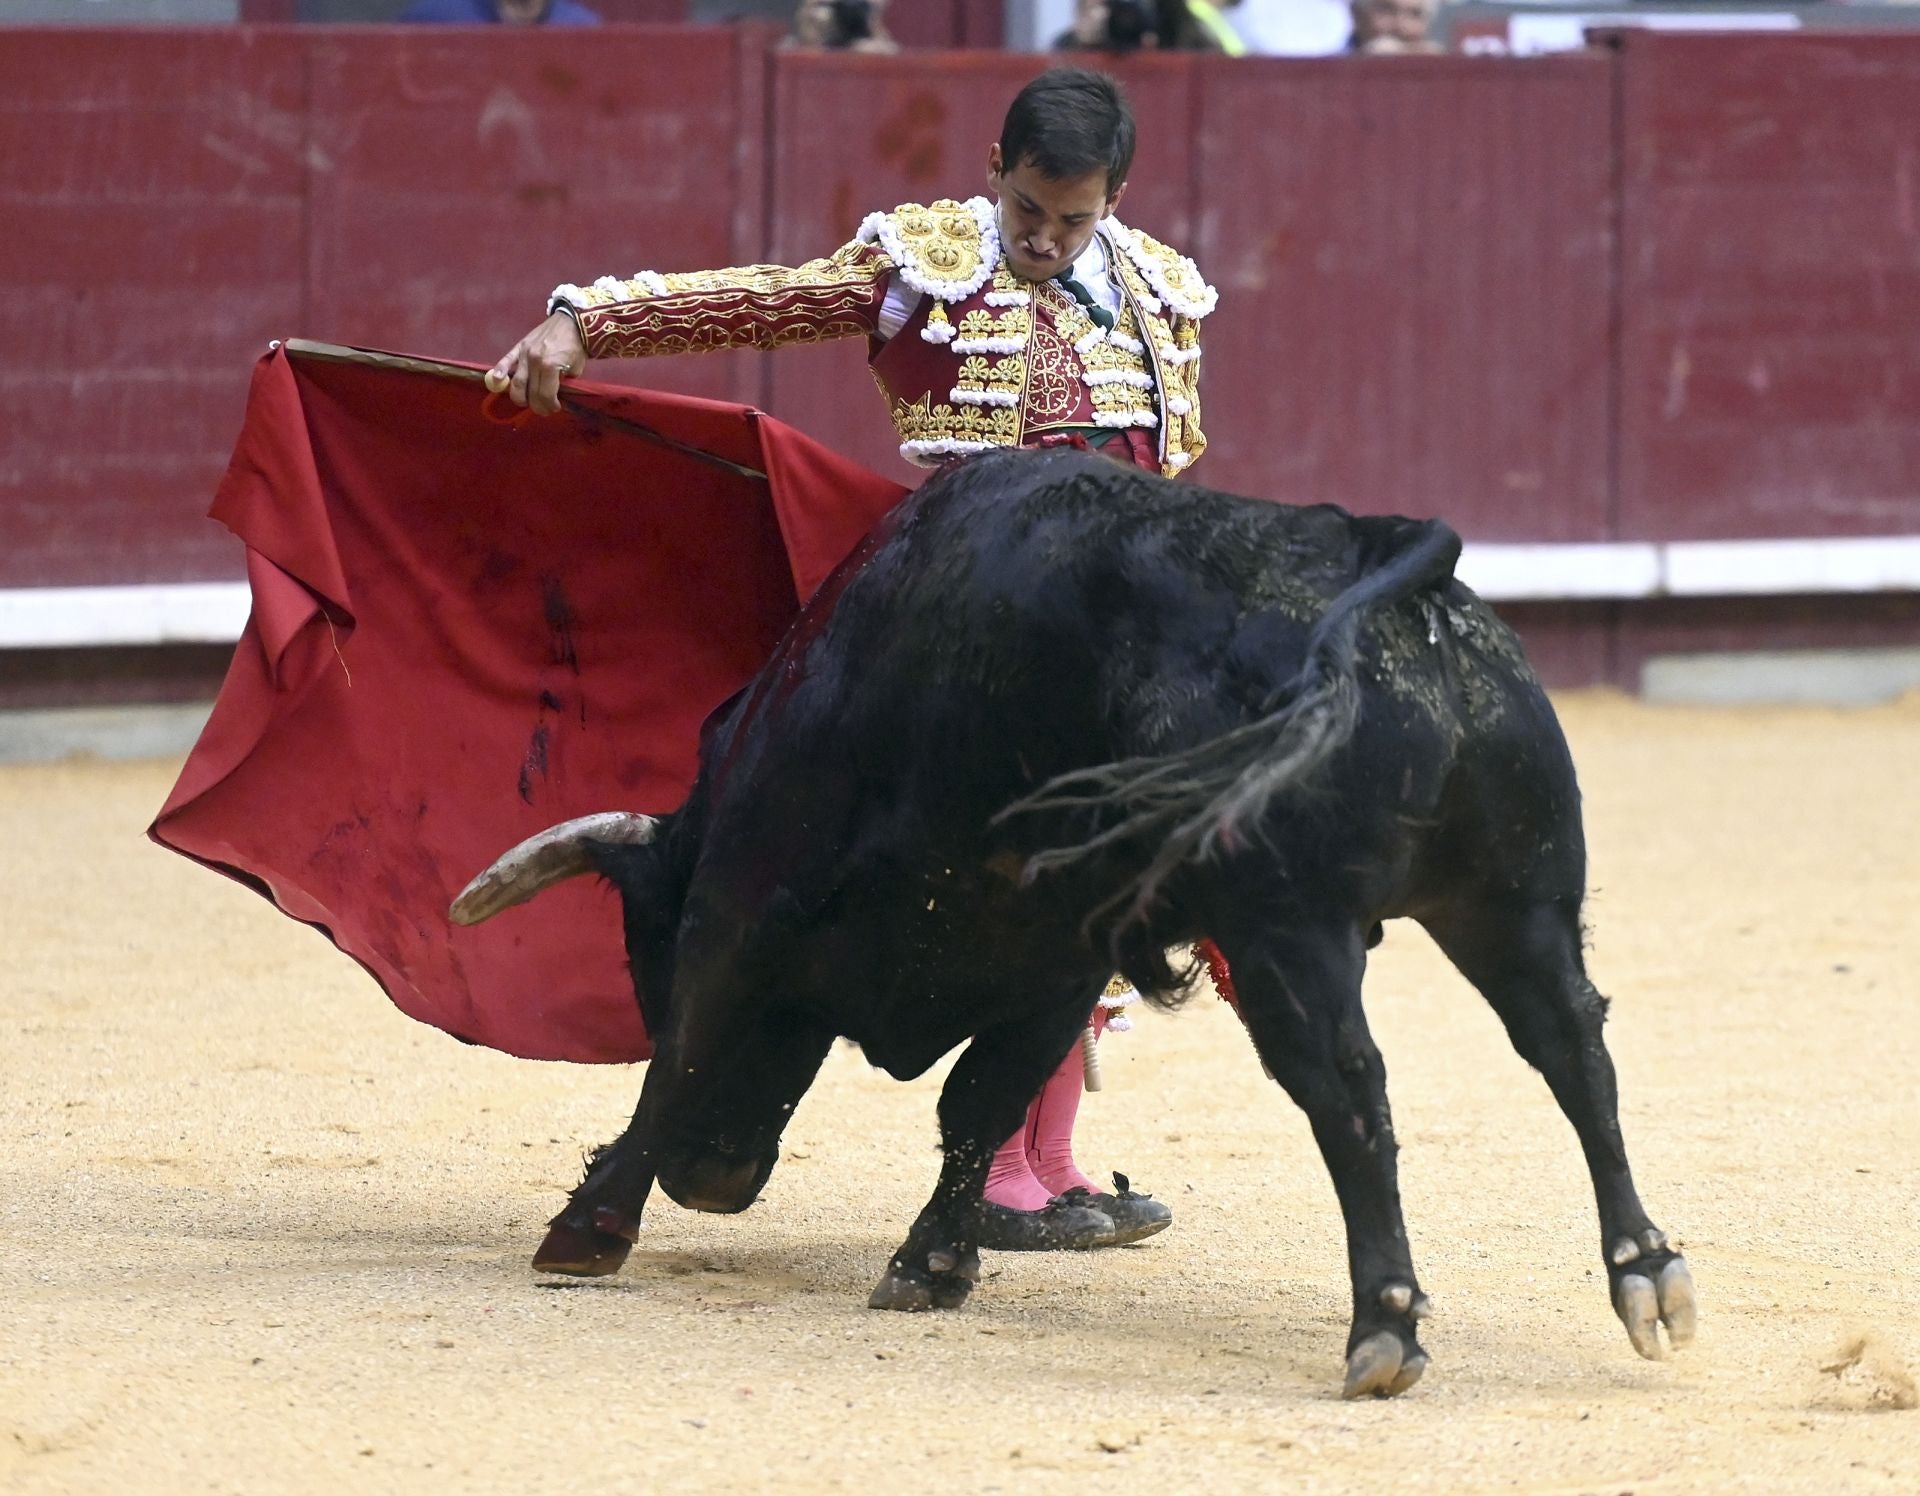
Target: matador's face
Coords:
[(1045, 222)]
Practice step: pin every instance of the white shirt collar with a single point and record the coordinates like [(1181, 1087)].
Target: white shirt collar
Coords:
[(1090, 269)]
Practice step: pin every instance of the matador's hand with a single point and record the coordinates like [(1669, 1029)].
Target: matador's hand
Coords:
[(534, 366)]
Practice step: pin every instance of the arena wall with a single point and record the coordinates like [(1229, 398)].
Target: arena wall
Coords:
[(1637, 321)]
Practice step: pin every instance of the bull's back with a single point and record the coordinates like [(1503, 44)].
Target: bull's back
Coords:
[(1029, 614)]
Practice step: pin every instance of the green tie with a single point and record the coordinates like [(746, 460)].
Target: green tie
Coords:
[(1081, 294)]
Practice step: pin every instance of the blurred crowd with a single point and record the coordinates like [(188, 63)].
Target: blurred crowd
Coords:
[(1284, 28), (1293, 28), (1235, 27)]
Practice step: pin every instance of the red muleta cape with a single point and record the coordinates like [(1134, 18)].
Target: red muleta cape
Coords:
[(464, 632)]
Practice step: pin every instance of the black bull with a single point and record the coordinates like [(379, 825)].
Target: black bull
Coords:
[(1054, 718)]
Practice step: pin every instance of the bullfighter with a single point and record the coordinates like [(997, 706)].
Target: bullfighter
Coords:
[(1032, 318)]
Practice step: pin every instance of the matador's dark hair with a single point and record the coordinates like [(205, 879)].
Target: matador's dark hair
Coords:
[(1068, 122)]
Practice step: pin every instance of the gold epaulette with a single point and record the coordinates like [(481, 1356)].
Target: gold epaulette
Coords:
[(946, 250)]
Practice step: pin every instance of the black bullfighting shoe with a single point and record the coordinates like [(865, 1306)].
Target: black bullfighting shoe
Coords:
[(1060, 1226), (1135, 1216)]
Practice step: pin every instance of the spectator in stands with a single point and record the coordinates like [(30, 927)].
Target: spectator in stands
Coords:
[(841, 26), (1290, 28), (1137, 25), (500, 13), (1389, 26)]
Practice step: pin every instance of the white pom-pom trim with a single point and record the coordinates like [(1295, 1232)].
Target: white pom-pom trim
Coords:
[(1007, 398), (929, 453), (1179, 406), (642, 283), (1179, 460), (1091, 341), (1195, 306), (989, 345), (1096, 377), (1008, 298), (937, 332), (1125, 418), (1178, 356), (1122, 341)]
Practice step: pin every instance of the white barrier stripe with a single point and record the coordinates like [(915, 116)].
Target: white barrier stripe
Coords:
[(156, 613), (1692, 568), (1738, 568), (1545, 573), (215, 612)]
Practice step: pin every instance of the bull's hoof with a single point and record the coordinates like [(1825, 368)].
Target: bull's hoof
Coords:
[(946, 1281), (899, 1291), (1386, 1361), (1381, 1367), (1652, 1287), (586, 1251)]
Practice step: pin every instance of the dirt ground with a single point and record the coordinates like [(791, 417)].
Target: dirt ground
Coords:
[(258, 1231)]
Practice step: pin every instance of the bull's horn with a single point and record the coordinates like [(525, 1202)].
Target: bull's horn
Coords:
[(556, 854)]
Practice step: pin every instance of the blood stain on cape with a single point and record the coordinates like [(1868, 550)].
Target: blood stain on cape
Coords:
[(559, 613)]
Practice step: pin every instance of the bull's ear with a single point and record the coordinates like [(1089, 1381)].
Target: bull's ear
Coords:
[(556, 854)]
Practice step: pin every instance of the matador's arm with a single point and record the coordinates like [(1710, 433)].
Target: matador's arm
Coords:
[(752, 306)]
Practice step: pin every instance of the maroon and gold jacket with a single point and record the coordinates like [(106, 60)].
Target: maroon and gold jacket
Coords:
[(984, 360)]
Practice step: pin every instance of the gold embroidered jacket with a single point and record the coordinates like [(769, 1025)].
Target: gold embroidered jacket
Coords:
[(984, 360)]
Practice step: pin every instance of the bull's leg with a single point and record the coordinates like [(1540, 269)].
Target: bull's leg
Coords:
[(707, 1127), (591, 1236), (984, 1100), (1299, 994), (592, 1240), (1526, 961)]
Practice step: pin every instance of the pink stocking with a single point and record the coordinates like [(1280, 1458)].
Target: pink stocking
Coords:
[(1015, 1178), (1050, 1123), (1010, 1181)]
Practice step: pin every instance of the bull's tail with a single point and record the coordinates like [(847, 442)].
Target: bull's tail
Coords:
[(1204, 799), (554, 855)]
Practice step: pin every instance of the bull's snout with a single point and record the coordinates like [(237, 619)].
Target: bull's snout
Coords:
[(722, 1183)]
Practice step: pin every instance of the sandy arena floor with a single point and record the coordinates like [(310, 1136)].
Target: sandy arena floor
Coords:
[(260, 1232)]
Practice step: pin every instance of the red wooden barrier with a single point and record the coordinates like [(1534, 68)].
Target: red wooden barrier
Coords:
[(174, 198), (649, 12), (948, 23), (1770, 376), (1665, 293), (457, 175), (1770, 284), (153, 193), (1413, 258)]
